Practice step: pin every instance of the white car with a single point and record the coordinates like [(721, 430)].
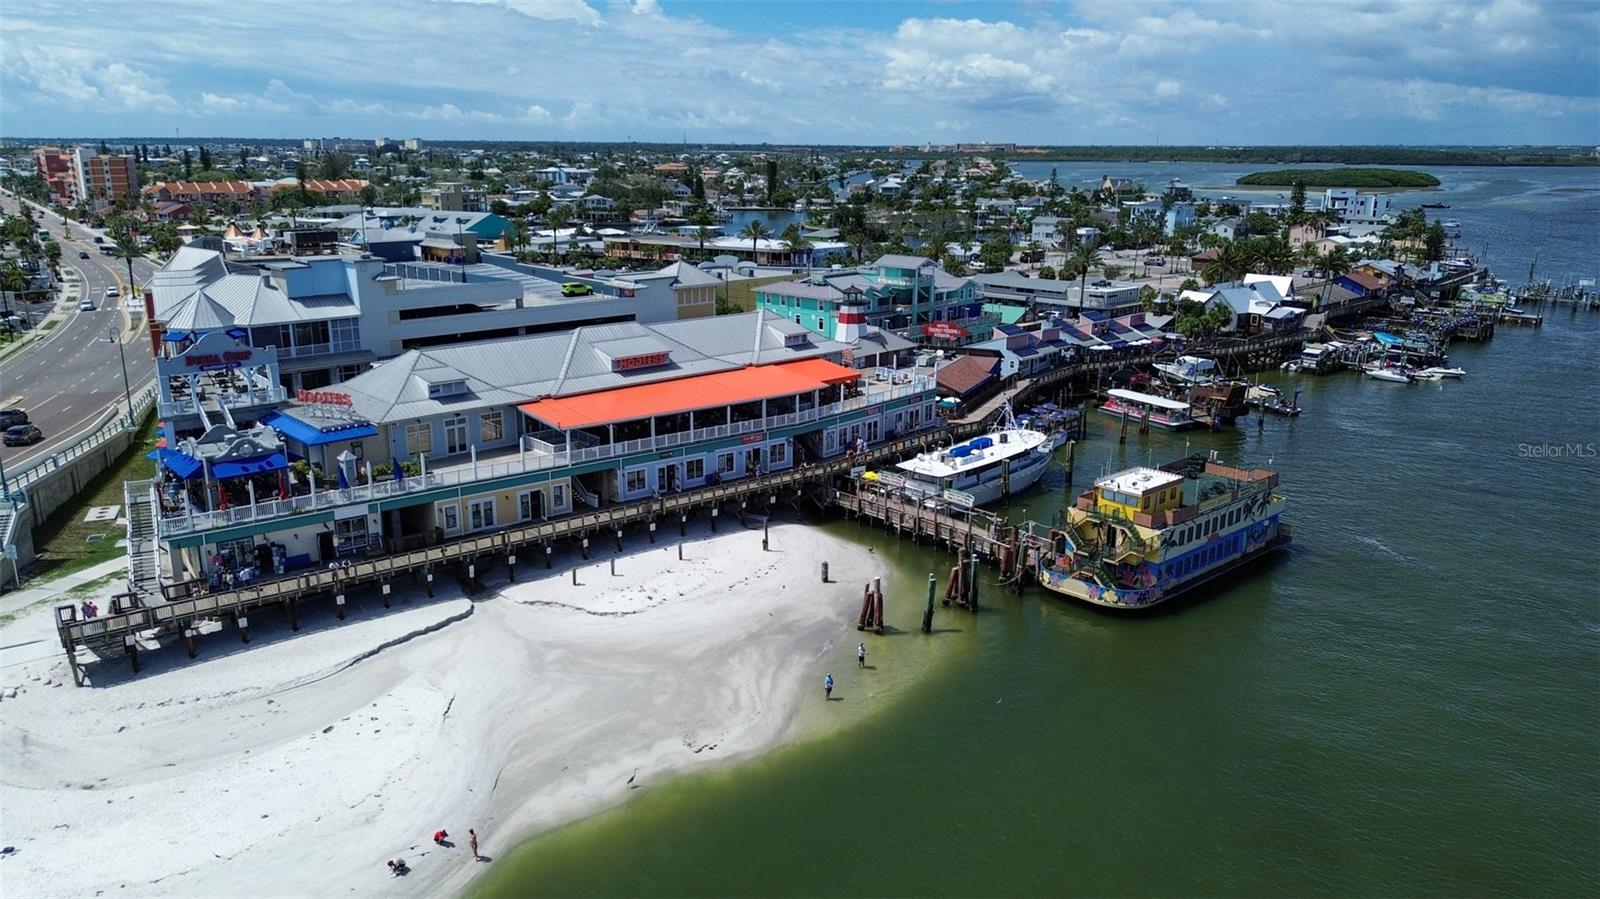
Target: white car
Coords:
[(86, 304), (111, 291)]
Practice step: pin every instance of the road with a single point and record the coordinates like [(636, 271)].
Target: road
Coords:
[(67, 378)]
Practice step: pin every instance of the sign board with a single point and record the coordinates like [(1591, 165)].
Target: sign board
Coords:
[(944, 331), (322, 398), (959, 498), (891, 479), (857, 471), (757, 437), (215, 351), (643, 360)]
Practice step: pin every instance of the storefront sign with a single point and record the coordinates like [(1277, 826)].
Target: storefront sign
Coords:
[(943, 331), (217, 361), (322, 398), (754, 438), (643, 360)]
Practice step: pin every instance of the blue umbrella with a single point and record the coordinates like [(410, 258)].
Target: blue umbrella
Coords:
[(344, 482), (399, 472)]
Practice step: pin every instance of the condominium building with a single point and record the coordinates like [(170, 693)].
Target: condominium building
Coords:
[(910, 294)]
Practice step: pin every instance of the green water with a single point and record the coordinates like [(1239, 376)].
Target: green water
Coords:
[(1408, 702)]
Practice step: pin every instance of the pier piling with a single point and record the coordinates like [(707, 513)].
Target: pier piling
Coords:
[(866, 608), (511, 568), (338, 605), (244, 628), (652, 532), (824, 572), (294, 612), (427, 578), (877, 596), (385, 591), (613, 567), (927, 614), (548, 563), (188, 639), (131, 647), (683, 524), (619, 539), (586, 548), (680, 552), (574, 577), (713, 519)]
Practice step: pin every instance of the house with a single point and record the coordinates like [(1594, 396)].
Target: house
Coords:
[(1360, 283), (969, 377), (347, 190), (1047, 230), (204, 193), (1024, 352), (1250, 305), (1230, 229), (895, 293), (167, 211), (1177, 216)]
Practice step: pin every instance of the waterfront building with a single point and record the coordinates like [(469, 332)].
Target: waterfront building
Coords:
[(765, 251), (331, 317), (909, 294), (491, 434)]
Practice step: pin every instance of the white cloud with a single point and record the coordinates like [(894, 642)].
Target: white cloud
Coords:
[(556, 11), (536, 114)]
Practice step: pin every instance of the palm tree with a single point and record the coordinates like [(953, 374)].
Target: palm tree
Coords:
[(756, 231), (1082, 258), (794, 241), (126, 240), (557, 218), (1333, 263), (703, 221), (1230, 264)]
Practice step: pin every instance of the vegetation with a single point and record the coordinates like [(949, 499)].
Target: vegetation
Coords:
[(1343, 177), (63, 540), (1354, 155)]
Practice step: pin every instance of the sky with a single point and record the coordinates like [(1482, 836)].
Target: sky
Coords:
[(808, 71)]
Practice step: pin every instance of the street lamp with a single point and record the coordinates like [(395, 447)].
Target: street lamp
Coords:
[(127, 391)]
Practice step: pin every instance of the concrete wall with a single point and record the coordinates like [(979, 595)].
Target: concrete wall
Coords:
[(58, 487)]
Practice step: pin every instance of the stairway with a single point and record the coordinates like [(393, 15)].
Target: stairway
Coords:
[(144, 567)]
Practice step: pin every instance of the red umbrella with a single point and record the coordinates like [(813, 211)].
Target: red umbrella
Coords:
[(222, 497), (283, 486)]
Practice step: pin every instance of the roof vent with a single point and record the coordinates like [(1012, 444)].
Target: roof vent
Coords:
[(266, 281)]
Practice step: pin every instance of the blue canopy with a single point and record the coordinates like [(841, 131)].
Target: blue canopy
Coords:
[(260, 465), (311, 435), (176, 336), (179, 463)]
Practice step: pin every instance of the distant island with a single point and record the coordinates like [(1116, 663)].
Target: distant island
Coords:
[(1343, 177)]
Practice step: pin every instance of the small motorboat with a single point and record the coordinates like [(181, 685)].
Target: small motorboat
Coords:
[(1435, 205), (1440, 372), (1389, 374)]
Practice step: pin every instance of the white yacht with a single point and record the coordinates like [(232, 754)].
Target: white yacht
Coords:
[(1190, 369), (1004, 461)]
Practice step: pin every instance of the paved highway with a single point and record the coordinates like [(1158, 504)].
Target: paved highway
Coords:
[(67, 378)]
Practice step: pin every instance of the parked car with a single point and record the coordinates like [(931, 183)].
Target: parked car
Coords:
[(22, 435), (10, 418), (575, 289), (83, 254)]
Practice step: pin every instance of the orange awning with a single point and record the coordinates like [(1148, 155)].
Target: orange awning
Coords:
[(723, 388)]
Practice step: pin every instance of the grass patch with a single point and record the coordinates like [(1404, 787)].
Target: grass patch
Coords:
[(63, 542), (50, 325)]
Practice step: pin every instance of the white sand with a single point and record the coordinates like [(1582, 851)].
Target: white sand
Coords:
[(298, 765)]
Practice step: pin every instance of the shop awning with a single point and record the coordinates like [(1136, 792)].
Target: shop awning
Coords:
[(179, 463), (723, 388), (247, 467), (311, 435)]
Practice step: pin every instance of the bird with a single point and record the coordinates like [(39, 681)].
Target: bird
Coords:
[(632, 776)]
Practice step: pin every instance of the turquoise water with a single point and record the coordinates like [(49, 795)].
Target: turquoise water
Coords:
[(1407, 702)]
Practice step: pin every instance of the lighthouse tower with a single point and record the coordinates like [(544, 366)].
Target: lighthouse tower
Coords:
[(852, 324)]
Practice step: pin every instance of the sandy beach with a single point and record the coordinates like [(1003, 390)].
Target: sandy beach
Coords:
[(297, 765)]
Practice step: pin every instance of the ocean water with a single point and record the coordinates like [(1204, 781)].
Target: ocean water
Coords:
[(1406, 702)]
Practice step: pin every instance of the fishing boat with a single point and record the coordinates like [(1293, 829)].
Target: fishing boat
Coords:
[(1004, 461), (1189, 369), (1435, 205), (1141, 536), (1398, 376), (1441, 372), (1158, 410)]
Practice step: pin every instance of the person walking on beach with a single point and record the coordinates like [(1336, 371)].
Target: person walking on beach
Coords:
[(861, 655), (472, 843), (827, 688)]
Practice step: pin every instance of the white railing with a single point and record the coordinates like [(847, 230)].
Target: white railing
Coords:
[(228, 399), (531, 457)]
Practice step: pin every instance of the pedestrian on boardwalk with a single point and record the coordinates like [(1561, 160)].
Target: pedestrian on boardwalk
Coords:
[(861, 655), (472, 842), (827, 688)]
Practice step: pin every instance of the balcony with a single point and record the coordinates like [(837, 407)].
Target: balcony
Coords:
[(215, 401)]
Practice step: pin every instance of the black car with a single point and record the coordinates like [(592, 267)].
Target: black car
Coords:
[(83, 254), (10, 418), (22, 435)]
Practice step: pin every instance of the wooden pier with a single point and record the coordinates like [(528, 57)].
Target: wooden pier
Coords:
[(468, 558)]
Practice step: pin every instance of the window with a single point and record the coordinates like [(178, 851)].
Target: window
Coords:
[(634, 481), (694, 469), (724, 463), (778, 453), (491, 427), (530, 505), (558, 496), (872, 431), (344, 334), (419, 438), (350, 534), (451, 517), (346, 372), (455, 435), (480, 514)]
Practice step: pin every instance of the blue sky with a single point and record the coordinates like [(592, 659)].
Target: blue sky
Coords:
[(1135, 71)]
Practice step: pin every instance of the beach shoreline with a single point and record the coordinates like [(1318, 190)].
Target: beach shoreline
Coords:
[(299, 764)]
